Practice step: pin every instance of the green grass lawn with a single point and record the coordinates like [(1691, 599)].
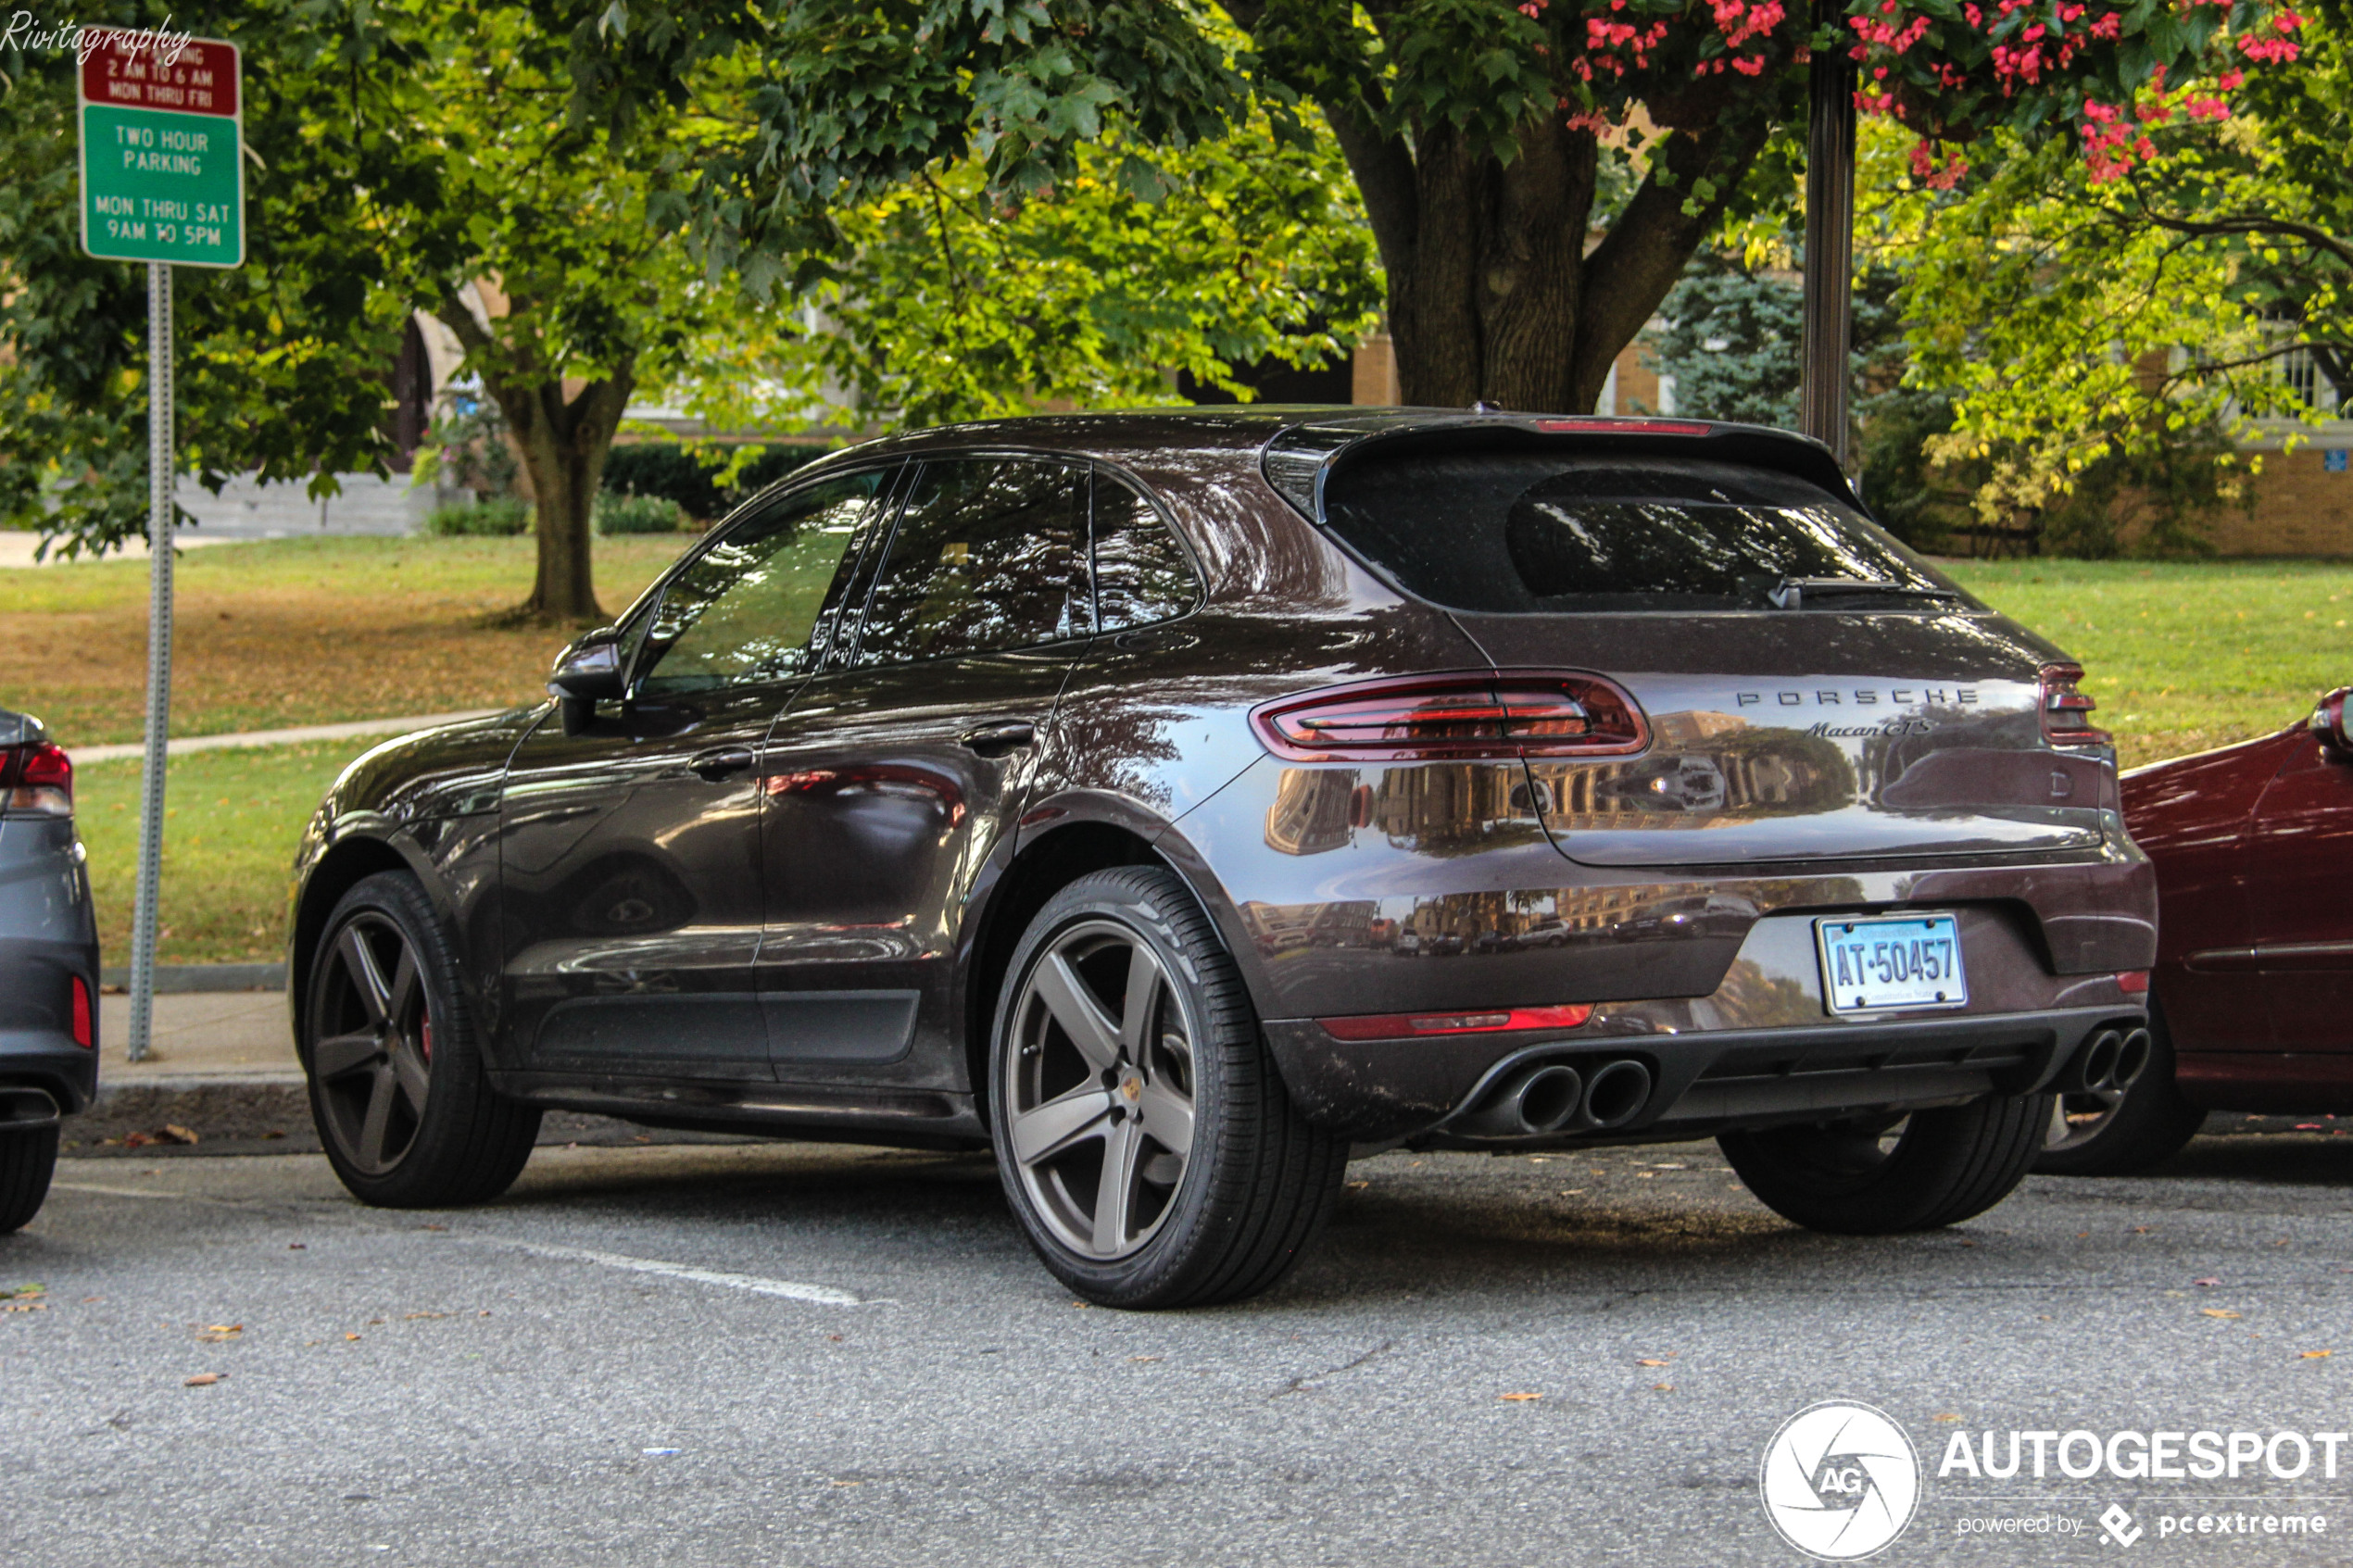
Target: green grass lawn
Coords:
[(284, 631), (2181, 657), (231, 820), (2185, 656)]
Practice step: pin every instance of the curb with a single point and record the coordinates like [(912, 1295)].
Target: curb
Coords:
[(180, 979), (262, 1106)]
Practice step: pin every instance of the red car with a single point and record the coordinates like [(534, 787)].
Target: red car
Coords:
[(2253, 992)]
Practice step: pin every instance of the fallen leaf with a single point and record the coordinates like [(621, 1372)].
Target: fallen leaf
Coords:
[(1082, 1306), (1650, 1361), (2318, 1355), (412, 1317), (1516, 1399), (1946, 1415), (297, 1246), (25, 1307), (204, 1380), (218, 1332), (1358, 1187), (849, 1483), (432, 1227), (1661, 1387), (351, 1336), (2208, 1280), (1144, 1358), (2217, 1311), (375, 1323), (178, 1133), (24, 1290)]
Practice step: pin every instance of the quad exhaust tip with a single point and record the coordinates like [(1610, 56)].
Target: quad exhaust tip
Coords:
[(1553, 1097), (2109, 1062)]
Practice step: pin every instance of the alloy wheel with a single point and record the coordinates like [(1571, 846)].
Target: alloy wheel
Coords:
[(372, 1052), (1098, 1089)]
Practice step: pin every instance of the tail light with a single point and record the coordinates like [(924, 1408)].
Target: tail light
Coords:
[(1402, 1026), (84, 1034), (1465, 716), (37, 780), (1603, 424), (2066, 713), (2132, 982)]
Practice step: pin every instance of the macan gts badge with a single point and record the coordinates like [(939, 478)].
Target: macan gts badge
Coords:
[(1176, 803)]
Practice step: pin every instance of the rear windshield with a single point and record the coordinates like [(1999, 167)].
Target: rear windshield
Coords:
[(1504, 532)]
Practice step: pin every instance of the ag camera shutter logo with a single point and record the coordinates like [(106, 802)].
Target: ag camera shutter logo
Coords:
[(1840, 1481)]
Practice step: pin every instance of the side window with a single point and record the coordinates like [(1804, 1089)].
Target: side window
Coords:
[(1141, 571), (745, 610), (987, 556)]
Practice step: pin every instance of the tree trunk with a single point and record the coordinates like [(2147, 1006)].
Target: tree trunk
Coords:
[(563, 442), (1492, 294)]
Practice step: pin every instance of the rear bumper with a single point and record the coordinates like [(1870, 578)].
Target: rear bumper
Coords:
[(1702, 1082), (37, 1050)]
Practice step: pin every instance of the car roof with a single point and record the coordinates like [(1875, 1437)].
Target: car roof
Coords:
[(1298, 444)]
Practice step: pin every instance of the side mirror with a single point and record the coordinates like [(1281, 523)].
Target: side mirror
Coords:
[(587, 672), (2328, 726)]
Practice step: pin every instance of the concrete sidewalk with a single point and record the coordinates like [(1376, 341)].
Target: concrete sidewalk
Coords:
[(358, 728)]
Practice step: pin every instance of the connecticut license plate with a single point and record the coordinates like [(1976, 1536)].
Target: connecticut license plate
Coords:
[(1875, 963)]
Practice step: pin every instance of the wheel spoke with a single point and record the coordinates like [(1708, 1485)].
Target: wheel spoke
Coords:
[(1167, 1116), (1074, 1008), (367, 978), (378, 1117), (1115, 1193), (1059, 1124), (339, 1054), (403, 989), (1143, 990), (409, 1068)]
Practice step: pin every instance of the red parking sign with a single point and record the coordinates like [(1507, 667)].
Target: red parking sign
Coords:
[(200, 77)]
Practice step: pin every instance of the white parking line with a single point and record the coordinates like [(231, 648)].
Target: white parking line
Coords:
[(824, 1295), (759, 1285)]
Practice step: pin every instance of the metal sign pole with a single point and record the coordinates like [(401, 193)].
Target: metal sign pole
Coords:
[(159, 517)]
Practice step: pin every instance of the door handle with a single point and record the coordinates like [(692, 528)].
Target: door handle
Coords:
[(996, 740), (720, 762)]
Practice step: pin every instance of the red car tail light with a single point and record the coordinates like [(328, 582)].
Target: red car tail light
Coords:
[(2132, 982), (1607, 426), (84, 1034), (1404, 1026), (2066, 713), (1454, 717), (36, 779)]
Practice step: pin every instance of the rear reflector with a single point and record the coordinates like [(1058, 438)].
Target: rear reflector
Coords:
[(84, 1034), (1606, 426), (1404, 1026), (2066, 713), (36, 779), (2133, 982), (1468, 716)]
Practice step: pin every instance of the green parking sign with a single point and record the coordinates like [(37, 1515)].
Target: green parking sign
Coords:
[(162, 159)]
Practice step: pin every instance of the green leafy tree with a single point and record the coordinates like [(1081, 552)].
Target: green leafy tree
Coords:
[(1490, 141), (2103, 334)]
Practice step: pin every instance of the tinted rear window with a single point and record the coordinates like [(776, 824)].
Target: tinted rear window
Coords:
[(1525, 532)]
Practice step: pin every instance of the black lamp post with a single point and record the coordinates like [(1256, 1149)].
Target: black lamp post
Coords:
[(1829, 242)]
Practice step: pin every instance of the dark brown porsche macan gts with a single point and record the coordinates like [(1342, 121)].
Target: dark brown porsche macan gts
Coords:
[(1173, 802)]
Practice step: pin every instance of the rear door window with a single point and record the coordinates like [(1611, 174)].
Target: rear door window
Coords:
[(989, 556), (1141, 574), (1533, 531)]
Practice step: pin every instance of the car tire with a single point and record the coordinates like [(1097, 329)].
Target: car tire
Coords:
[(1097, 1071), (2149, 1123), (403, 1106), (28, 1159), (1874, 1177)]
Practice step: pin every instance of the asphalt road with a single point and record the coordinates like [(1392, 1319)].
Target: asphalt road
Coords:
[(793, 1354)]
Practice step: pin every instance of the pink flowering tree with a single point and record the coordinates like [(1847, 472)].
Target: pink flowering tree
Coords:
[(1537, 172)]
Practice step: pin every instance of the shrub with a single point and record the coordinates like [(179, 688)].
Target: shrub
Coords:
[(692, 478), (637, 514), (503, 518)]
